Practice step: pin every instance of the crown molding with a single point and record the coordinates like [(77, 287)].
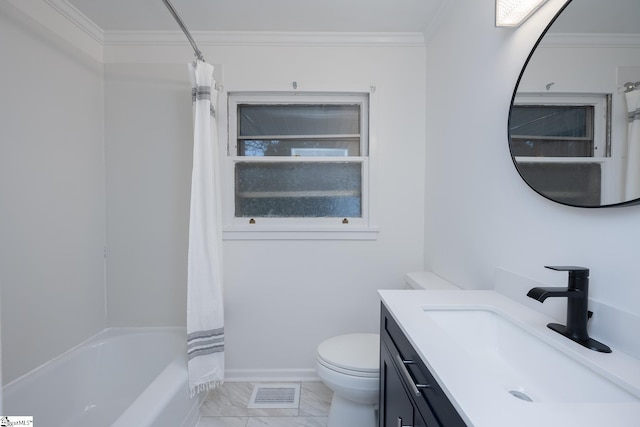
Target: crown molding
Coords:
[(591, 40), (66, 20), (79, 19), (262, 38)]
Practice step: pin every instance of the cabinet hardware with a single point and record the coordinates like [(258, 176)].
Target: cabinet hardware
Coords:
[(400, 423), (407, 376)]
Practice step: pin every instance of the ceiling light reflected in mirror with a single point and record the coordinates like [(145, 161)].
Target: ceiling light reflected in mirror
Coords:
[(512, 13)]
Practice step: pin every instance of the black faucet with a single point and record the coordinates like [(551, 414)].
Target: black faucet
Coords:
[(577, 294)]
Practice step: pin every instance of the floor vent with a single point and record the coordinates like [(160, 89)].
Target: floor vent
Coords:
[(285, 396)]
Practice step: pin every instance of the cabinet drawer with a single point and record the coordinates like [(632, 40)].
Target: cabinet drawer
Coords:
[(431, 402)]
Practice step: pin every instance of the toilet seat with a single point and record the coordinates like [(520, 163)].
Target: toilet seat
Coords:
[(351, 354)]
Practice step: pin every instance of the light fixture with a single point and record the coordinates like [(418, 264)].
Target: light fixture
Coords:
[(511, 13)]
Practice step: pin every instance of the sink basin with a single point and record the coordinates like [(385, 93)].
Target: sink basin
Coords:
[(522, 363)]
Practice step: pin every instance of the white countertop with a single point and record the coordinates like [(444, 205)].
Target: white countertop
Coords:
[(477, 397)]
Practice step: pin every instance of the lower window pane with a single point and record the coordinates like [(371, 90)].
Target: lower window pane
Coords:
[(301, 189), (572, 183)]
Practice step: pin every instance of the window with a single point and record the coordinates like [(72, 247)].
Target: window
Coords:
[(553, 131), (562, 147), (298, 162)]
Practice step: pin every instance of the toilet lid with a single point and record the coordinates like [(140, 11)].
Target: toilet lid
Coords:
[(353, 352)]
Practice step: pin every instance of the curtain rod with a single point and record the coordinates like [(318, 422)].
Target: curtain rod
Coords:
[(184, 29)]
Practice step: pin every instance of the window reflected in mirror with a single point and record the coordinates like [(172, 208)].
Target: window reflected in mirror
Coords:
[(562, 146)]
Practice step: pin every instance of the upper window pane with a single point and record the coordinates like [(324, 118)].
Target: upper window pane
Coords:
[(545, 120), (301, 130), (552, 131), (298, 120)]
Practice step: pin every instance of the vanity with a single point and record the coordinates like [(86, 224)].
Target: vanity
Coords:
[(409, 394), (478, 358)]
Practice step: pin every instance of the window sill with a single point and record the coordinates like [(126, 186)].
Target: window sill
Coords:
[(299, 233)]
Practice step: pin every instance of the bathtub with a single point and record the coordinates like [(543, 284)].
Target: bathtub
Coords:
[(122, 377)]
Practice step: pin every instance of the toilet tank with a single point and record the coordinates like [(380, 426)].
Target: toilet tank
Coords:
[(427, 280)]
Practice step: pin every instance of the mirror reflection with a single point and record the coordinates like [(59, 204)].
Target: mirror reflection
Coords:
[(574, 124)]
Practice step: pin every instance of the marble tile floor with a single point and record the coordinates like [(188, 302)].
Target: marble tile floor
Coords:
[(227, 407)]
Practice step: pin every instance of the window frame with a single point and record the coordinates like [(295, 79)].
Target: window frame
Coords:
[(303, 228)]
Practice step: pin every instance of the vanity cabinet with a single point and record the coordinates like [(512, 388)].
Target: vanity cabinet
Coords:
[(409, 395)]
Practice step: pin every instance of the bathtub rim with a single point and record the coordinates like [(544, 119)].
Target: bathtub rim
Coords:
[(93, 340)]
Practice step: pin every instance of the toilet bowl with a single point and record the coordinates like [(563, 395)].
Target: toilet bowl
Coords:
[(350, 366)]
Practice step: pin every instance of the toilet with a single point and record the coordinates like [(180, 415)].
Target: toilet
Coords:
[(350, 366)]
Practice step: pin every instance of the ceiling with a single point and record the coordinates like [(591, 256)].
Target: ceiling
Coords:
[(263, 15), (324, 16), (598, 16)]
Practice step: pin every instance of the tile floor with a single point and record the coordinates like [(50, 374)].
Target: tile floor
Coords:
[(227, 407)]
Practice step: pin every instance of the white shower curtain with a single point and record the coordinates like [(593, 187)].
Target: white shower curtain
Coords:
[(205, 319), (632, 187)]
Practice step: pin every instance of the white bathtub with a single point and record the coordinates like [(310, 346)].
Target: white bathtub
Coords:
[(122, 377)]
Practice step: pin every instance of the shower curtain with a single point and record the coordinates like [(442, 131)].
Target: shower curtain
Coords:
[(632, 187), (205, 320)]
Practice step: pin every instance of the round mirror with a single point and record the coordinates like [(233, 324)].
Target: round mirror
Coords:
[(574, 123)]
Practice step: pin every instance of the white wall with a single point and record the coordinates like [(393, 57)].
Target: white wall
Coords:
[(52, 197), (148, 143), (281, 297), (480, 214)]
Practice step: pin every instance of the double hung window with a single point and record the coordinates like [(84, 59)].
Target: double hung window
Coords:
[(299, 159), (561, 146)]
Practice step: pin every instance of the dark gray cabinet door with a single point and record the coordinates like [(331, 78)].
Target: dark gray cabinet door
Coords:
[(396, 408)]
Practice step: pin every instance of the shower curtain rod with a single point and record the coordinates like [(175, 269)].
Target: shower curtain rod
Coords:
[(184, 29)]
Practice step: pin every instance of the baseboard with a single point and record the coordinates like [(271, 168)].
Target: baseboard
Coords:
[(270, 375)]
